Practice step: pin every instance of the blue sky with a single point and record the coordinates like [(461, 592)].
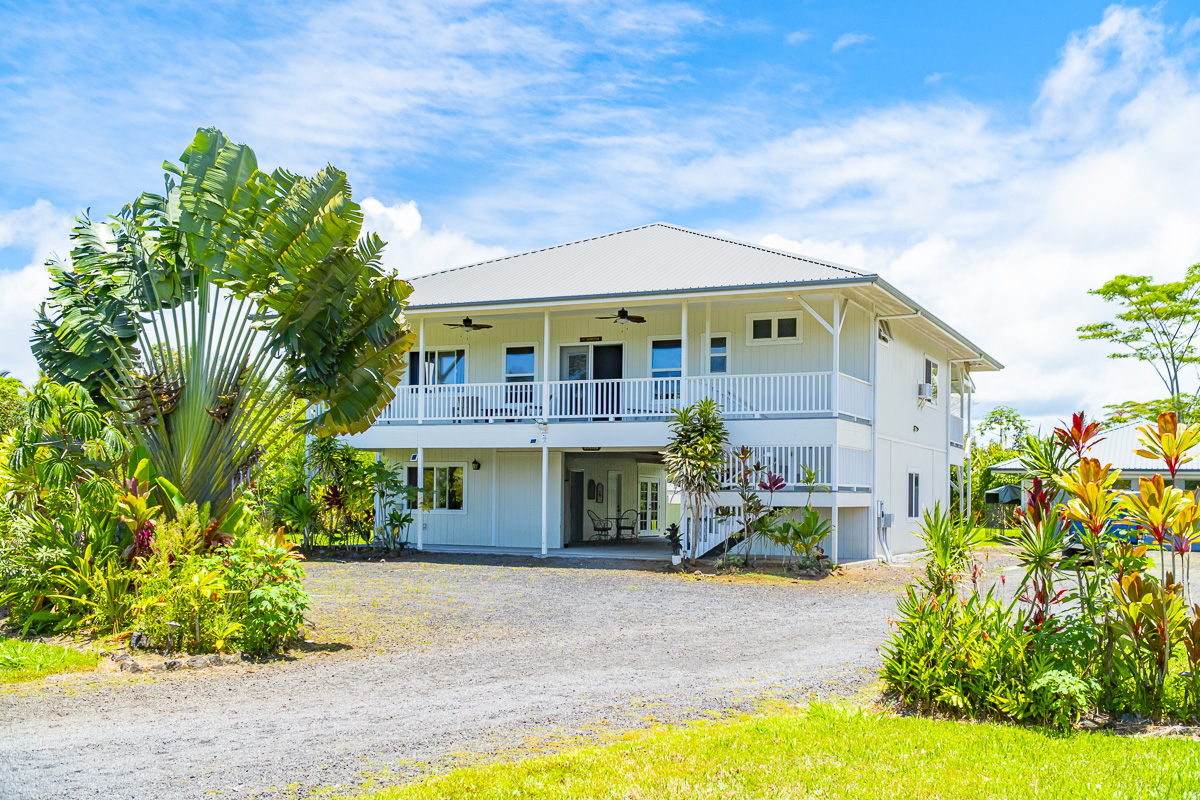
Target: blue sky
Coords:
[(992, 159)]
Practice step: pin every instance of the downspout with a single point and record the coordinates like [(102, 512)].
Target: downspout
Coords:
[(880, 533)]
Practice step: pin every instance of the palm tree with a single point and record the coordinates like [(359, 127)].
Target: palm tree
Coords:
[(695, 459), (198, 316)]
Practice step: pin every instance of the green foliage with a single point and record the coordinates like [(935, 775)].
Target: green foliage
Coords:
[(1006, 423), (23, 661), (200, 315), (246, 595), (1157, 325), (695, 458), (948, 545), (12, 404)]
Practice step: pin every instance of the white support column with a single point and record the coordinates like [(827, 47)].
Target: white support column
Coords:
[(706, 351), (421, 375), (837, 453), (683, 355), (546, 364), (420, 499), (495, 467), (545, 494), (873, 522), (946, 392), (967, 440)]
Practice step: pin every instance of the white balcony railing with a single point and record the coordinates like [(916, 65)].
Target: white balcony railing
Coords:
[(740, 397), (956, 430), (788, 462), (854, 468)]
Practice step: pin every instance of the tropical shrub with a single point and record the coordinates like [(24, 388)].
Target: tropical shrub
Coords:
[(1097, 620)]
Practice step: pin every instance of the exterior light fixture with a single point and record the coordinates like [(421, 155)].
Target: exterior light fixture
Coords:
[(916, 429), (474, 465)]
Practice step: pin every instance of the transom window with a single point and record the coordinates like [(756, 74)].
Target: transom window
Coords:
[(772, 328), (519, 362), (885, 332), (443, 488)]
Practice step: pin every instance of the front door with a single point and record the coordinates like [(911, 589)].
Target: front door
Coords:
[(587, 364), (649, 488)]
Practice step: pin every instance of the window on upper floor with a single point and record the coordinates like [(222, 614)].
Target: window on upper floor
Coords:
[(930, 376), (519, 363), (885, 332), (772, 328), (718, 354), (442, 367), (666, 358)]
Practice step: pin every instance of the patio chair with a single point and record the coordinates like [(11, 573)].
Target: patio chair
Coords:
[(601, 527), (627, 522)]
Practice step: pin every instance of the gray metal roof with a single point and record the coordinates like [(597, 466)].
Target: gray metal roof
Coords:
[(651, 259), (1117, 449)]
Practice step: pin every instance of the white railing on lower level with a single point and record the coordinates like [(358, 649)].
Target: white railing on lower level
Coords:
[(956, 430), (740, 397), (788, 462)]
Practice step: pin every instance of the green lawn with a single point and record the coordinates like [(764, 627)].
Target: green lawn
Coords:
[(23, 661), (829, 752)]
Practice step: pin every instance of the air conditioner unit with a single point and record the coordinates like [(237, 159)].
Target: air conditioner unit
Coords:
[(924, 391)]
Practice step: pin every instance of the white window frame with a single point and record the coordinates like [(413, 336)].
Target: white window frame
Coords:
[(910, 496), (504, 359), (728, 353), (650, 340), (444, 464), (932, 375), (775, 338), (884, 333), (415, 354)]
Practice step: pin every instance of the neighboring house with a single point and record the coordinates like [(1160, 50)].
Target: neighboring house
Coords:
[(550, 376)]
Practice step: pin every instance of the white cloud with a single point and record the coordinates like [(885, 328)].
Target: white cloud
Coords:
[(412, 249), (849, 40), (41, 230), (936, 77), (798, 37)]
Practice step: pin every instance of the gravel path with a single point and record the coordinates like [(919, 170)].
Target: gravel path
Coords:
[(447, 660)]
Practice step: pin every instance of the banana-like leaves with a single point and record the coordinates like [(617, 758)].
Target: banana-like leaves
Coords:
[(198, 314)]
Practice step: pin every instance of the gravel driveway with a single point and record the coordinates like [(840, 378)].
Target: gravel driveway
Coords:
[(419, 665)]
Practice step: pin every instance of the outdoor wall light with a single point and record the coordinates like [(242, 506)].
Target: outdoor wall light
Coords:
[(916, 429), (474, 465)]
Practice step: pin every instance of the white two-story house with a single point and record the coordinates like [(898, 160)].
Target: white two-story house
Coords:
[(540, 389)]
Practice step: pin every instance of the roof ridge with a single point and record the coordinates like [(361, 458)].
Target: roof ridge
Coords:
[(660, 224)]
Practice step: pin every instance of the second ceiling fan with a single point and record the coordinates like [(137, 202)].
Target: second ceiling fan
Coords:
[(623, 316), (467, 325)]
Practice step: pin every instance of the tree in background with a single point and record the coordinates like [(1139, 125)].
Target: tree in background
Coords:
[(1006, 423), (12, 403), (198, 316), (695, 459), (1158, 326)]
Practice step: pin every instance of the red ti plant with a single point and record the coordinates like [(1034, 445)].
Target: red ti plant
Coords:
[(1080, 436)]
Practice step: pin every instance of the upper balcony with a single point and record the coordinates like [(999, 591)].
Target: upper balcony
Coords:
[(781, 396)]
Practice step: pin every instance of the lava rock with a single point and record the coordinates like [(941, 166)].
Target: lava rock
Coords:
[(120, 657), (140, 641), (131, 666), (216, 660), (232, 658), (197, 662), (172, 664)]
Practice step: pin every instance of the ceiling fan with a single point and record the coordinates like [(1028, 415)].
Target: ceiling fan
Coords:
[(623, 316), (467, 325)]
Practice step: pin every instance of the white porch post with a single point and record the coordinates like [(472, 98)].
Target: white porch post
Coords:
[(837, 453), (545, 493), (873, 522), (495, 467), (420, 499), (421, 376), (683, 355), (967, 441), (706, 350), (546, 364)]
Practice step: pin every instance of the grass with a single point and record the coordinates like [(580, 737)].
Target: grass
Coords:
[(831, 752), (24, 661)]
